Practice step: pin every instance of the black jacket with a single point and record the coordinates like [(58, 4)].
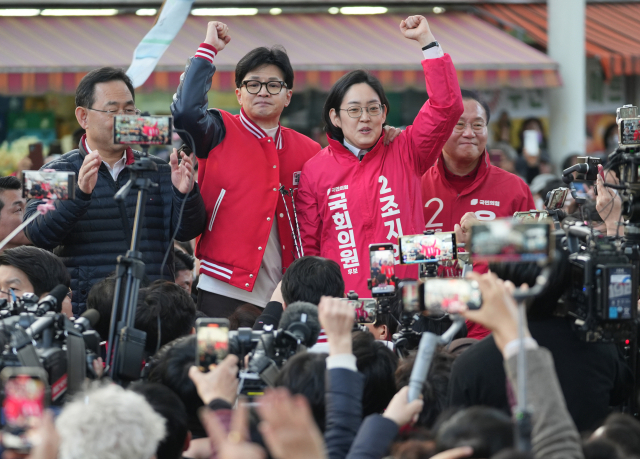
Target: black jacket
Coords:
[(593, 376), (87, 232), (343, 402)]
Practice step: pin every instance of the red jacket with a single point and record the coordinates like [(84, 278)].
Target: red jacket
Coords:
[(239, 182), (493, 194), (345, 204)]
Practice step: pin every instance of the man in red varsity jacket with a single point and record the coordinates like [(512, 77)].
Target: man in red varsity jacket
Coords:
[(242, 161), (463, 187)]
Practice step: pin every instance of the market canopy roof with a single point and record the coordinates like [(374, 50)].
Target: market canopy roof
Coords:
[(40, 54), (611, 31)]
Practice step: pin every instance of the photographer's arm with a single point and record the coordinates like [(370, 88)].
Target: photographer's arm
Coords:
[(51, 229), (344, 385), (190, 102)]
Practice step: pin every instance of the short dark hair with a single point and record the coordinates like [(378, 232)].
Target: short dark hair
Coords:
[(100, 298), (8, 183), (258, 57), (310, 278), (167, 304), (245, 315), (487, 430), (378, 364), (170, 367), (337, 93), (183, 261), (43, 269), (623, 431), (468, 94), (168, 405), (85, 92), (304, 373), (435, 389)]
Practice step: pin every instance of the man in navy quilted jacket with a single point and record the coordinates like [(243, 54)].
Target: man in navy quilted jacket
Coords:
[(87, 232)]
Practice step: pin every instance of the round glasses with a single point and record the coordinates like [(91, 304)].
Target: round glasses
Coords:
[(255, 86), (356, 112), (126, 111)]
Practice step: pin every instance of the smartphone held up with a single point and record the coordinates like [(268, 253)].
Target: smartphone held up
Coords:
[(212, 336), (48, 184)]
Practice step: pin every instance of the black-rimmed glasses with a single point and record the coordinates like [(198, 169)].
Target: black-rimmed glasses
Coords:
[(255, 86)]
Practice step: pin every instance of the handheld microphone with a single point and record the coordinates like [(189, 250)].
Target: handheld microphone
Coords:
[(301, 320), (53, 300)]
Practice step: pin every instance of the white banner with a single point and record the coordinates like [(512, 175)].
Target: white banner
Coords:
[(157, 40)]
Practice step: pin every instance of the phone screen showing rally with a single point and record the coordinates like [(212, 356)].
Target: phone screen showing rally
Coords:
[(620, 297), (382, 269), (365, 309), (142, 130), (441, 294), (502, 240), (23, 405), (48, 184), (427, 248), (213, 342)]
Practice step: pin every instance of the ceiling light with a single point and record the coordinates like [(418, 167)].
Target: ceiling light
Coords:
[(275, 11), (438, 10), (334, 10), (146, 12), (363, 10), (75, 12), (19, 12), (224, 11)]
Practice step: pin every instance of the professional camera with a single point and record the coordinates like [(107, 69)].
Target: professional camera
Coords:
[(268, 350), (35, 334), (603, 294)]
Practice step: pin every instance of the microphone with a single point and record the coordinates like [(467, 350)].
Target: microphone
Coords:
[(270, 316), (87, 321), (567, 174), (53, 300), (300, 319)]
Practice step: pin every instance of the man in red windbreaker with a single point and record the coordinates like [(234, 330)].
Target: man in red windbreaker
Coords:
[(463, 187), (358, 191)]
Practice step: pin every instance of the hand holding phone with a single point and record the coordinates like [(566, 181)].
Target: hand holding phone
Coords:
[(212, 337), (48, 184), (382, 266)]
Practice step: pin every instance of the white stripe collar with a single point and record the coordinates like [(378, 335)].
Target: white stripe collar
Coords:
[(258, 131)]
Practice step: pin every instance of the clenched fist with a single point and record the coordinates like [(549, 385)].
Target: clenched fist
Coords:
[(417, 28), (217, 35)]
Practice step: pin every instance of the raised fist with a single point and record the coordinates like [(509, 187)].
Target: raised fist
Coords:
[(217, 35), (417, 28)]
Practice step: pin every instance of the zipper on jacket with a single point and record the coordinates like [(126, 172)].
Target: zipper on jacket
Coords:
[(216, 207)]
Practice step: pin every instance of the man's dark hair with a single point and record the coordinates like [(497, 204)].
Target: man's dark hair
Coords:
[(378, 364), (487, 430), (170, 367), (245, 315), (434, 391), (259, 57), (310, 278), (337, 93), (166, 304), (183, 261), (184, 245), (100, 298), (623, 431), (8, 183), (304, 374), (168, 405), (600, 449), (43, 269), (544, 304), (85, 92), (468, 94)]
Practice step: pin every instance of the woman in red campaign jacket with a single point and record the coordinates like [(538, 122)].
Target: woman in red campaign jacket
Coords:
[(358, 191)]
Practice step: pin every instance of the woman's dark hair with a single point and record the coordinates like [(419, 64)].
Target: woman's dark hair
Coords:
[(43, 269), (86, 89), (337, 93), (262, 56), (304, 374), (468, 94)]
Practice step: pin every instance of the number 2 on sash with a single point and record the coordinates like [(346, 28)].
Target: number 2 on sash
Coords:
[(437, 212)]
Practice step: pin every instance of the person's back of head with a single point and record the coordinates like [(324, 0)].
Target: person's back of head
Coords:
[(43, 269), (109, 422), (434, 391), (168, 405), (166, 312), (170, 367), (244, 316), (600, 449), (487, 430), (310, 278), (623, 431), (304, 374), (544, 304), (378, 364), (100, 298)]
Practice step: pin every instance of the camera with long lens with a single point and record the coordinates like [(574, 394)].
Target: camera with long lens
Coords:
[(34, 333), (266, 351)]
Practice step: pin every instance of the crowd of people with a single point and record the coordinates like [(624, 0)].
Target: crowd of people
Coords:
[(270, 220)]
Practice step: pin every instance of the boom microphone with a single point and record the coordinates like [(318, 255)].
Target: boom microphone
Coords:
[(87, 321), (53, 300), (301, 320)]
